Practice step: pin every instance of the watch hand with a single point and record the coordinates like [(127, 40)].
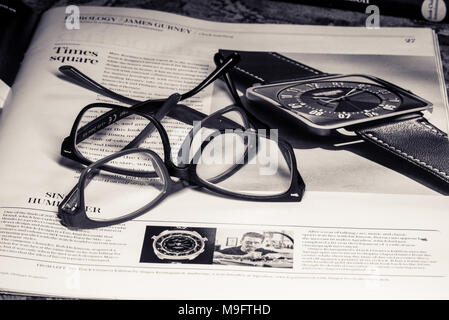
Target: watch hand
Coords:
[(324, 98), (327, 101), (354, 94), (349, 94), (352, 90), (336, 99)]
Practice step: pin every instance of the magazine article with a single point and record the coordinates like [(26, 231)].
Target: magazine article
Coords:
[(362, 230)]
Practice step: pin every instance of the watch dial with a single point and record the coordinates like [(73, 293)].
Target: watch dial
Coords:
[(340, 99), (179, 244)]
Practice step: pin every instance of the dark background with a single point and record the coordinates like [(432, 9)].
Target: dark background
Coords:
[(256, 11), (263, 11)]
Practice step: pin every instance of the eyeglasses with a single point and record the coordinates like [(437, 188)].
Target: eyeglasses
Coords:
[(156, 107), (123, 145), (237, 162)]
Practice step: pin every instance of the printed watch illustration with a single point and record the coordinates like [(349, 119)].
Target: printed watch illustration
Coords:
[(381, 113), (178, 244)]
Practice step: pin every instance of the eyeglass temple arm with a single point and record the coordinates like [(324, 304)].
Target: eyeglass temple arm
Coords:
[(256, 123), (166, 107), (218, 59), (100, 123), (113, 116), (180, 112), (83, 80), (92, 85), (222, 68), (149, 105)]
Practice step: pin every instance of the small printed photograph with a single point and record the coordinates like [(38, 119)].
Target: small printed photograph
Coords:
[(254, 248), (165, 244)]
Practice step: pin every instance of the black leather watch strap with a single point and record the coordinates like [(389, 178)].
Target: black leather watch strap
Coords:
[(412, 137), (415, 140), (267, 67)]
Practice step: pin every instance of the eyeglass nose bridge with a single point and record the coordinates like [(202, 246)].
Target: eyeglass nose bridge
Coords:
[(183, 173)]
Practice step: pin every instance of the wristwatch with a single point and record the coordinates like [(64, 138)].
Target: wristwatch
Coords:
[(383, 114), (178, 244)]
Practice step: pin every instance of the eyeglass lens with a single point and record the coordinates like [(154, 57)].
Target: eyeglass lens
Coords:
[(121, 130), (253, 165), (110, 196)]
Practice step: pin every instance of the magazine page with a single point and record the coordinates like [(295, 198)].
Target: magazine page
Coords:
[(362, 229)]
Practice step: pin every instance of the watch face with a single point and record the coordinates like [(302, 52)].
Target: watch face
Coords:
[(340, 99), (179, 245)]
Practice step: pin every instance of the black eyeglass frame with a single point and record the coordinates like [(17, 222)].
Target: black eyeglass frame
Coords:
[(178, 111), (72, 210), (157, 108), (183, 172)]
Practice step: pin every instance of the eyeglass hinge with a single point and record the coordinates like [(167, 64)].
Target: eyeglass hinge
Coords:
[(294, 194)]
